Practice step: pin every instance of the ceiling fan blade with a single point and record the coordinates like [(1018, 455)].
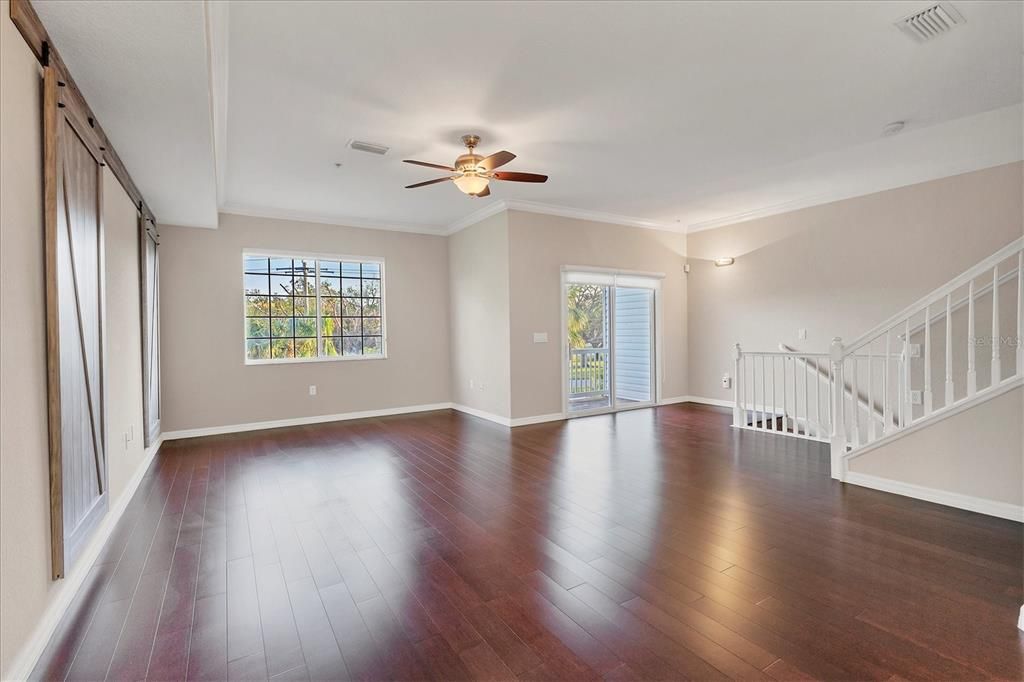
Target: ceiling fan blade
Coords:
[(520, 177), (486, 192), (428, 182), (428, 165), (495, 160)]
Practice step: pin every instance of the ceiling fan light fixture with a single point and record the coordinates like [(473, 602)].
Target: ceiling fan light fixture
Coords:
[(471, 183), (473, 172)]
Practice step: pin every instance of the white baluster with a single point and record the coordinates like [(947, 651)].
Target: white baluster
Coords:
[(949, 350), (754, 415), (817, 398), (886, 390), (785, 399), (906, 414), (997, 369), (838, 441), (794, 424), (871, 394), (928, 359), (855, 399), (1019, 369), (807, 401), (736, 387), (972, 344), (774, 406), (828, 418), (796, 404), (764, 397)]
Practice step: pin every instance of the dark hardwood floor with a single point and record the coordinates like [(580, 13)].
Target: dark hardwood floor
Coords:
[(656, 544)]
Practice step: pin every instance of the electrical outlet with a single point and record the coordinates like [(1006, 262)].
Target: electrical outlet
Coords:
[(472, 384), (801, 334), (726, 381), (312, 389), (915, 350)]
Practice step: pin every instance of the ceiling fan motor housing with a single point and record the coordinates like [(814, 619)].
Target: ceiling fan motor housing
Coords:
[(468, 162)]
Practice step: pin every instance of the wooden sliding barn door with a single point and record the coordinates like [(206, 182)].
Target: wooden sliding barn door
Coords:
[(150, 329), (74, 322)]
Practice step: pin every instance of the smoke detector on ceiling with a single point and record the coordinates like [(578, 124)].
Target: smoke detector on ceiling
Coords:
[(931, 22), (370, 147)]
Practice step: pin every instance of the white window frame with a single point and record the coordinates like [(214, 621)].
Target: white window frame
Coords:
[(276, 253)]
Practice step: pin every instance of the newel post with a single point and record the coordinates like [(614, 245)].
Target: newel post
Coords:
[(736, 417), (838, 439)]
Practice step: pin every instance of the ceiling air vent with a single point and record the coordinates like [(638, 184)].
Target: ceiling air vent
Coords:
[(931, 22), (370, 147)]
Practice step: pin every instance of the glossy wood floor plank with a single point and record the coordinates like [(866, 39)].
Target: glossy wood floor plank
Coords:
[(655, 544)]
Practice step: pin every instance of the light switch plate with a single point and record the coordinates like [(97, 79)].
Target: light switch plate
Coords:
[(801, 334), (540, 337), (312, 389)]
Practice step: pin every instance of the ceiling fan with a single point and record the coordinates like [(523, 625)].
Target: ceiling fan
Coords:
[(474, 172)]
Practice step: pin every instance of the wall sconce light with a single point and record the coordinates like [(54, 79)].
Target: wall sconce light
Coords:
[(722, 262)]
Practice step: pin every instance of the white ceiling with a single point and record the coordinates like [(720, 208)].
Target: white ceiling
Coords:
[(673, 114), (143, 69)]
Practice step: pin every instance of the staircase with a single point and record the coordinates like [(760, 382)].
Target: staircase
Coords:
[(956, 347)]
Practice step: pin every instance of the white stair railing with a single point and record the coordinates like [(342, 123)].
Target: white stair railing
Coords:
[(782, 391), (920, 364)]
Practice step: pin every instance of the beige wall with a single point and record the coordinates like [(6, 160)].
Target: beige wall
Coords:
[(978, 452), (841, 268), (123, 334), (206, 382), (26, 590), (539, 245), (25, 586), (478, 259)]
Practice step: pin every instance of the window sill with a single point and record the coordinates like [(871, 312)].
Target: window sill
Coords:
[(296, 361)]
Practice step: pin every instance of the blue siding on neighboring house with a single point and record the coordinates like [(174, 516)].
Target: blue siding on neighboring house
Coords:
[(634, 310)]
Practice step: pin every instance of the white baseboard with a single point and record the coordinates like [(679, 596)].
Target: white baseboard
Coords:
[(301, 421), (698, 399), (489, 416), (320, 419), (1020, 619), (26, 659), (1003, 510), (538, 419), (559, 416)]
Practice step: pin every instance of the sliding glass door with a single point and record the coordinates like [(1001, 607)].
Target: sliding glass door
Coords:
[(588, 313), (609, 341), (633, 362)]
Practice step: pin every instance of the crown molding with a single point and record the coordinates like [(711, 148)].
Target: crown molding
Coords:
[(560, 211), (862, 190), (494, 208), (473, 218), (592, 216), (995, 140), (774, 209), (341, 221)]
